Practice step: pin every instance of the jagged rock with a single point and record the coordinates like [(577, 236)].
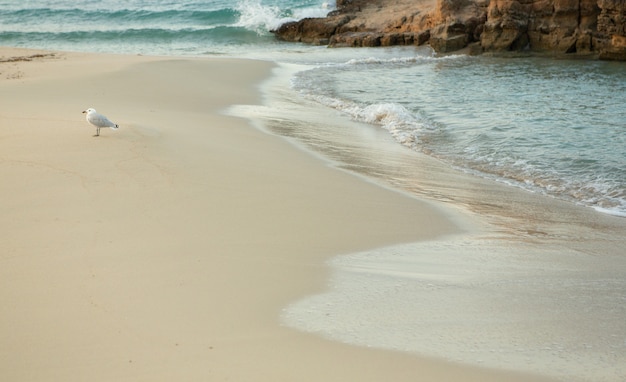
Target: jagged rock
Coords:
[(449, 37), (406, 38), (559, 26), (373, 39), (356, 39), (459, 23), (612, 26), (554, 25), (587, 27), (506, 27), (316, 31), (358, 23)]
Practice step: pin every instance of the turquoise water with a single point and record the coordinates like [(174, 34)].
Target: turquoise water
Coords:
[(555, 127), (149, 26)]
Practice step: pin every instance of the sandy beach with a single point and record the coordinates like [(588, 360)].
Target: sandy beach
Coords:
[(165, 250)]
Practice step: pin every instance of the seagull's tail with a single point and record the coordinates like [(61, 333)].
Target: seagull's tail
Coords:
[(115, 127)]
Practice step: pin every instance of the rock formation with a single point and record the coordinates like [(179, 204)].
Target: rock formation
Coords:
[(594, 28)]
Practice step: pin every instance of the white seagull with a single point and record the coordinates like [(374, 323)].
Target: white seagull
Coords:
[(98, 120)]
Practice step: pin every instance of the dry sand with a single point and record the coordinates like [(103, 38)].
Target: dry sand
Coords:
[(165, 250)]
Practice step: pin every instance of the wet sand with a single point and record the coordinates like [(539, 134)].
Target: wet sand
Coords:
[(167, 249)]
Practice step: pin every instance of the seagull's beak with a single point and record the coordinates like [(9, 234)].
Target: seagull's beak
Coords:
[(84, 111)]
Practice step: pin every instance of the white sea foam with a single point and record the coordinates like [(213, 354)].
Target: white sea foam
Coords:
[(262, 18), (402, 125), (424, 55), (258, 17), (393, 117)]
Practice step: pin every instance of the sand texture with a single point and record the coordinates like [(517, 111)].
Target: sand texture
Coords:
[(165, 250)]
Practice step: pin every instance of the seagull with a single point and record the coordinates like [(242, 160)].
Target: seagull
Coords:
[(98, 120)]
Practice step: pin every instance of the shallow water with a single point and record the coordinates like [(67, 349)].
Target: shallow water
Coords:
[(556, 127), (535, 285), (542, 309)]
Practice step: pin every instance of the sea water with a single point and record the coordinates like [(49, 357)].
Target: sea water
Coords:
[(550, 126), (551, 129)]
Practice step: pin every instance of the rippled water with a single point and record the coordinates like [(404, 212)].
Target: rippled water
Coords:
[(552, 126)]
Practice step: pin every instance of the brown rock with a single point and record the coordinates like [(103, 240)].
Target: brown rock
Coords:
[(506, 27), (458, 24), (358, 23), (356, 39), (587, 27), (612, 27), (316, 31), (449, 37)]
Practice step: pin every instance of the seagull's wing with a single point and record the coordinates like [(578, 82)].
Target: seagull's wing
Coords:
[(100, 120)]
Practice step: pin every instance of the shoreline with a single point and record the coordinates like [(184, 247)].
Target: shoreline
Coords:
[(505, 229), (493, 205), (165, 250)]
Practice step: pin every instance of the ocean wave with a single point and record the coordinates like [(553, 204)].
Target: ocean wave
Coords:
[(409, 129), (134, 37), (77, 20), (404, 126), (68, 17), (259, 18), (263, 18)]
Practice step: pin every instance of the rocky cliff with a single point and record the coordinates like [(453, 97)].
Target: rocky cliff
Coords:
[(594, 28)]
